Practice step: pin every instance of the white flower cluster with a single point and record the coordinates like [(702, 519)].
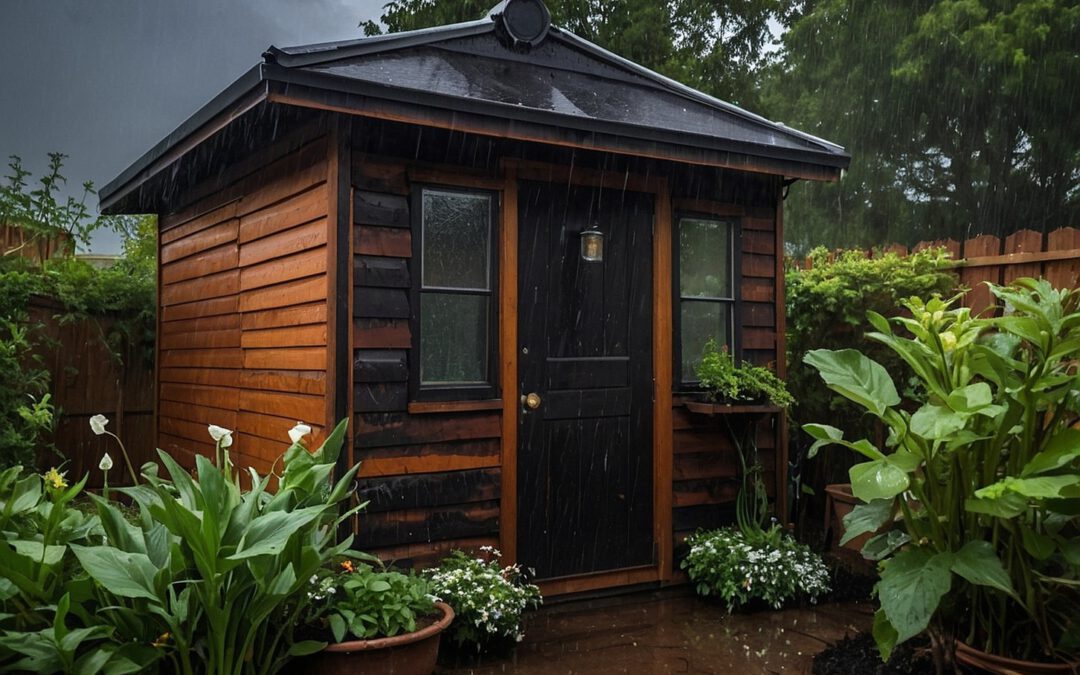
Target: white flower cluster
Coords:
[(488, 600), (774, 568)]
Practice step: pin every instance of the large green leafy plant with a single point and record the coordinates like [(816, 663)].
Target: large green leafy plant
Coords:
[(220, 572), (980, 485)]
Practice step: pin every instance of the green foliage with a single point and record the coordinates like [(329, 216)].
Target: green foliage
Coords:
[(739, 568), (718, 48), (826, 308), (722, 380), (364, 602), (959, 115), (488, 600), (981, 483), (222, 573)]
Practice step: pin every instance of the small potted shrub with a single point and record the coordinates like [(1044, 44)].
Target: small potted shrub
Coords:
[(489, 600), (760, 566), (377, 621), (724, 382)]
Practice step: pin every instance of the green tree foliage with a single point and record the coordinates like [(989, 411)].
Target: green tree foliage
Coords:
[(959, 114), (717, 47)]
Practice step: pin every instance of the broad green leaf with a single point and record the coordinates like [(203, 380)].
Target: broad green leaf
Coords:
[(337, 627), (823, 435), (379, 586), (129, 575), (977, 562), (885, 635), (1040, 487), (912, 584), (884, 544), (1008, 505), (866, 518), (1060, 451), (972, 398), (877, 480), (38, 552), (904, 460), (306, 648), (935, 422), (24, 495), (879, 322), (856, 377), (1038, 545), (269, 533)]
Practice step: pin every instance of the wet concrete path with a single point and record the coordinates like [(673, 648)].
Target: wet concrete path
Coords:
[(673, 632)]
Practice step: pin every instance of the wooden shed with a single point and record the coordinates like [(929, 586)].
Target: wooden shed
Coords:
[(498, 249)]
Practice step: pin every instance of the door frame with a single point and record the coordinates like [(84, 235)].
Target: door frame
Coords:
[(514, 170)]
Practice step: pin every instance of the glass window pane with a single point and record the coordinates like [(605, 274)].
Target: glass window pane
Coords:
[(704, 258), (701, 321), (453, 338), (456, 235)]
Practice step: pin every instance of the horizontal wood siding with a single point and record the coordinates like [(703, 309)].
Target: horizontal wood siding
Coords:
[(243, 317), (432, 479)]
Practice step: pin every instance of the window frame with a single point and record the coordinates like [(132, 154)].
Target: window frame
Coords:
[(419, 392), (735, 302)]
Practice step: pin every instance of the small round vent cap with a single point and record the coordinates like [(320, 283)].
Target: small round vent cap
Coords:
[(526, 22)]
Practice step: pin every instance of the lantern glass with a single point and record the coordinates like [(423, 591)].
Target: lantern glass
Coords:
[(592, 245)]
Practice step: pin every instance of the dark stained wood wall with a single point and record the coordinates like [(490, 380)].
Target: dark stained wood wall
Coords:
[(243, 309), (431, 475)]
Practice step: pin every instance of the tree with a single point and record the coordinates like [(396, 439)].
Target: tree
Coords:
[(959, 115), (717, 47)]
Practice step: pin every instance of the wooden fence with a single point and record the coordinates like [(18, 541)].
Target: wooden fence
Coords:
[(1025, 253), (15, 240), (87, 379)]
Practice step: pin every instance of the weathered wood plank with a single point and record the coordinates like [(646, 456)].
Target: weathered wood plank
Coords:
[(218, 259), (439, 523), (204, 415), (294, 336), (381, 272), (222, 322), (221, 377), (381, 303), (289, 381), (293, 240), (758, 338), (384, 210), (376, 333), (754, 265), (286, 358), (204, 240), (280, 270), (202, 358), (202, 308), (430, 458), (174, 228), (212, 286), (759, 314), (425, 555), (758, 241), (383, 241), (299, 315), (372, 397), (697, 492), (394, 493), (380, 176), (208, 396), (205, 339), (380, 365), (375, 430), (300, 208), (299, 292), (296, 406), (758, 289)]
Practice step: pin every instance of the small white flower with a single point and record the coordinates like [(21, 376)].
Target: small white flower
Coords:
[(299, 431), (106, 462), (221, 435), (97, 424)]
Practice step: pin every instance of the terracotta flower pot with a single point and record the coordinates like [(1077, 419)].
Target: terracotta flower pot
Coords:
[(408, 654), (841, 503), (1001, 665)]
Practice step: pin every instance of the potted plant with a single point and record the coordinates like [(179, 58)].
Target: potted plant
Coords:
[(489, 600), (979, 486), (723, 381), (377, 621)]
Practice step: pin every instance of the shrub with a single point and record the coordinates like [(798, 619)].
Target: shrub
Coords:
[(737, 568), (488, 600), (364, 602)]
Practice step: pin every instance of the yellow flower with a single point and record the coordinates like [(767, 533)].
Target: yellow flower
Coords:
[(55, 478), (162, 640)]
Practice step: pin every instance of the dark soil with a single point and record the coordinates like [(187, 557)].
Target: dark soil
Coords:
[(847, 582), (859, 655)]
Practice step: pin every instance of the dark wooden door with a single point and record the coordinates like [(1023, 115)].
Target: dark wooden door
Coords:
[(585, 332)]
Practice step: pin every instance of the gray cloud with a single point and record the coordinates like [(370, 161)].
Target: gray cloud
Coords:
[(104, 80)]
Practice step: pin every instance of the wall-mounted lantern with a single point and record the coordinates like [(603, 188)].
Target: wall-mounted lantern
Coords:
[(592, 245)]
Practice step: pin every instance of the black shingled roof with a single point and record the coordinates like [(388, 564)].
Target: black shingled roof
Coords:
[(564, 82)]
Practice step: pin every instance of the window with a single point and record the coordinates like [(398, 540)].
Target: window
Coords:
[(454, 298), (706, 289)]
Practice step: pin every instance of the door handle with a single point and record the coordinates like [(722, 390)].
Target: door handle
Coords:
[(531, 401)]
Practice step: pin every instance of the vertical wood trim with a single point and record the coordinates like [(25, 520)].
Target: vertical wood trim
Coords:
[(663, 428), (339, 267), (781, 468), (508, 351), (157, 337)]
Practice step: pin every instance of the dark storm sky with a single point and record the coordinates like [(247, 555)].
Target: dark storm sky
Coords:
[(104, 80)]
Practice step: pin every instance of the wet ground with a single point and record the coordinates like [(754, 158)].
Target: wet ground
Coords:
[(673, 632)]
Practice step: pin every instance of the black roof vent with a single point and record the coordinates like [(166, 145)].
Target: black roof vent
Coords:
[(522, 24)]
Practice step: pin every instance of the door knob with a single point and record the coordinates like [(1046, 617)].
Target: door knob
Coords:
[(531, 401)]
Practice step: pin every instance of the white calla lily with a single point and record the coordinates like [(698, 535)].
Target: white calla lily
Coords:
[(298, 432), (106, 462), (221, 435), (97, 424)]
